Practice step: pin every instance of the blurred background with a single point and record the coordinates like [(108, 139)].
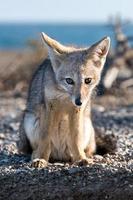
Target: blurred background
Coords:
[(79, 23)]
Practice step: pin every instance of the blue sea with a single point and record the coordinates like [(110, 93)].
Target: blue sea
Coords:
[(15, 36)]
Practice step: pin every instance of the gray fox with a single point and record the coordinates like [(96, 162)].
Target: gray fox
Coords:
[(57, 121)]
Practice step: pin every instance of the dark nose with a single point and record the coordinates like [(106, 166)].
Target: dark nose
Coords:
[(78, 101)]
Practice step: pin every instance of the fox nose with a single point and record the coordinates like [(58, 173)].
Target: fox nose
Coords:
[(78, 101)]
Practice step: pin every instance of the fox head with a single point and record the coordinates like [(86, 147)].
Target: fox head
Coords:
[(77, 70)]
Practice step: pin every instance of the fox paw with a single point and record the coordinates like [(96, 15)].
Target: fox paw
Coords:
[(84, 162), (39, 163)]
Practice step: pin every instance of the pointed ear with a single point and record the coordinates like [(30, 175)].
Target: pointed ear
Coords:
[(56, 51), (100, 51)]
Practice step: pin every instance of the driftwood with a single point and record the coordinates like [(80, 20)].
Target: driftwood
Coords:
[(122, 59), (127, 83), (110, 77)]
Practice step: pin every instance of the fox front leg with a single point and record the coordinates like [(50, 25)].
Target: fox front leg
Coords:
[(89, 137), (76, 131), (91, 148), (40, 156)]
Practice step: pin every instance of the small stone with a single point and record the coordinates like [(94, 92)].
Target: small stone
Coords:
[(98, 157), (73, 170), (59, 164), (2, 136)]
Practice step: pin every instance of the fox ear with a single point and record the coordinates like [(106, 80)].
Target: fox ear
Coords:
[(56, 51), (100, 51)]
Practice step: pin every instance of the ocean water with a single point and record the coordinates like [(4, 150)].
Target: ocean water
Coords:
[(15, 36)]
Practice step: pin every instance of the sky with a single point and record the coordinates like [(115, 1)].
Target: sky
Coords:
[(63, 10)]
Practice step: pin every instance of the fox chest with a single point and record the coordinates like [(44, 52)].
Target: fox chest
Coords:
[(61, 138)]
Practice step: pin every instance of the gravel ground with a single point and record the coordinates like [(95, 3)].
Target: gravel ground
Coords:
[(110, 177)]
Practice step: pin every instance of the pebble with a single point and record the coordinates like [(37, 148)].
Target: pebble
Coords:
[(73, 170), (98, 157), (2, 136)]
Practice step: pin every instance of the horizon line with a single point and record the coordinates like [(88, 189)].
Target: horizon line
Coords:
[(53, 21)]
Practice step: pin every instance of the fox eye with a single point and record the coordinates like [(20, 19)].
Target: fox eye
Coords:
[(88, 80), (69, 81)]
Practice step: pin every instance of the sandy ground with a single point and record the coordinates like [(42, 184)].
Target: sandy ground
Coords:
[(110, 177)]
